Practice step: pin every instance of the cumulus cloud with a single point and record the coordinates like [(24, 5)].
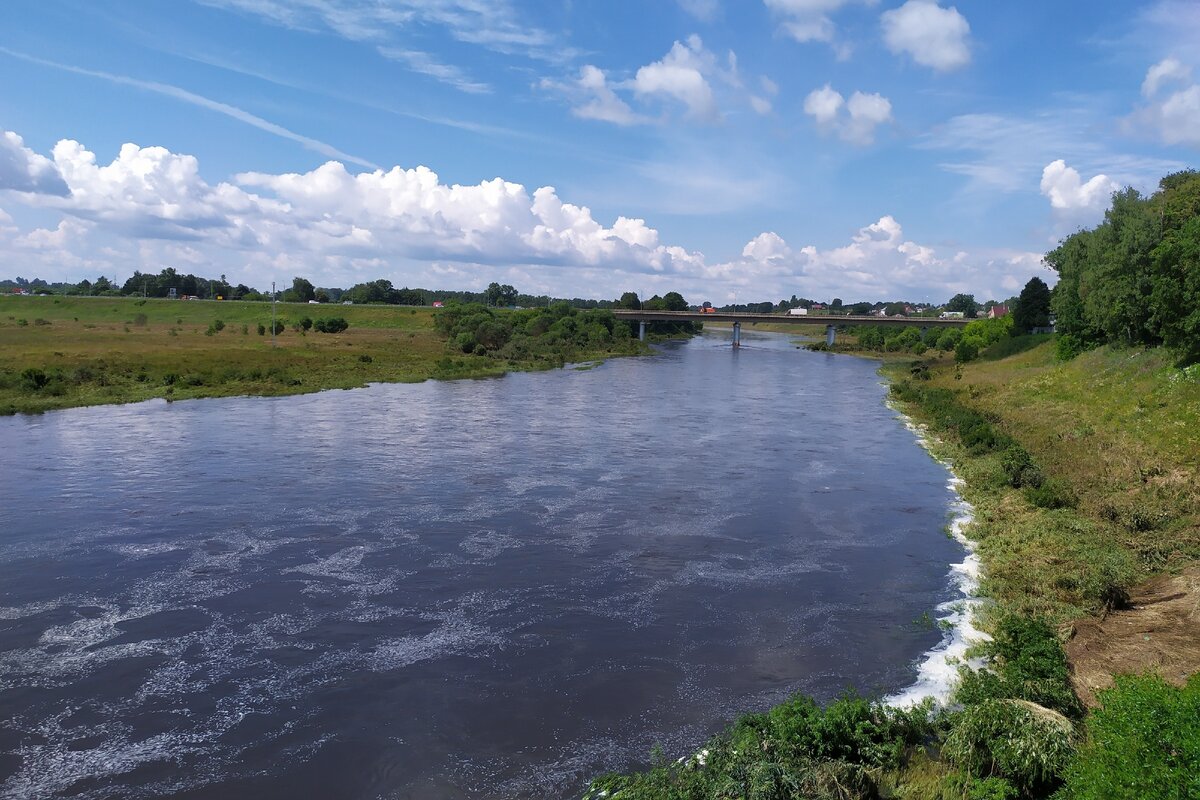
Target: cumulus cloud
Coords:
[(932, 36), (148, 207), (879, 261), (689, 76), (853, 121), (680, 75), (22, 170), (1172, 108), (1068, 192), (595, 98)]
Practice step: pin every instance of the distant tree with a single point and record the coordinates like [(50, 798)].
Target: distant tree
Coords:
[(501, 294), (630, 301), (321, 296), (860, 309), (894, 309), (964, 303), (674, 301), (303, 290), (836, 303), (1033, 306)]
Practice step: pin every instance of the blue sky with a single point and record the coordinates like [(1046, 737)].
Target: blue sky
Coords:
[(749, 150)]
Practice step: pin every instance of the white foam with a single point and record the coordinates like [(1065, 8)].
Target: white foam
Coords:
[(937, 674)]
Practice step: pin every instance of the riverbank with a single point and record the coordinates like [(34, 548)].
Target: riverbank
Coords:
[(1083, 479), (63, 352)]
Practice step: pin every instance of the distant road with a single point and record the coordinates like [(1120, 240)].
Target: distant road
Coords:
[(803, 319)]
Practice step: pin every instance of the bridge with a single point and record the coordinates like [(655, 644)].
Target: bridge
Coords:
[(830, 321)]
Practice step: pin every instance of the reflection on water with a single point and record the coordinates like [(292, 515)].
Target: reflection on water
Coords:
[(470, 589)]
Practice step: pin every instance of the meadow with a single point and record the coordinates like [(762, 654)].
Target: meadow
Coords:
[(61, 352)]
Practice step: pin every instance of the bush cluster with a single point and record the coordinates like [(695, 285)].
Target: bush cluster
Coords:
[(558, 332)]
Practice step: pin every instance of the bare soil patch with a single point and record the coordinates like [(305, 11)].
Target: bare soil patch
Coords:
[(1159, 632)]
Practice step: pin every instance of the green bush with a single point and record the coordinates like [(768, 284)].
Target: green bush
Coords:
[(34, 379), (262, 329), (1051, 493), (1023, 743), (1026, 663), (967, 349), (331, 325), (305, 323), (1143, 742)]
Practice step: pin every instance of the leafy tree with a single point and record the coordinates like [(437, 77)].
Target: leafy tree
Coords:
[(303, 290), (836, 303), (1033, 306), (964, 303), (674, 302), (501, 295), (630, 301), (321, 296)]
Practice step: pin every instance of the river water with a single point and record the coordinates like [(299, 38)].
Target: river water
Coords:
[(472, 589)]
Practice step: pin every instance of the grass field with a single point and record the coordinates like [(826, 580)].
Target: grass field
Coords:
[(60, 352), (1121, 430)]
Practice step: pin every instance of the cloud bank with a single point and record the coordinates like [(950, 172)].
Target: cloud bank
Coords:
[(149, 207)]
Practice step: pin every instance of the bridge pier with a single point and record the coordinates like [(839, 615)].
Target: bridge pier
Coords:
[(829, 334), (737, 334), (641, 330)]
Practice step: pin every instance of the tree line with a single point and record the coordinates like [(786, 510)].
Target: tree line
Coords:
[(1134, 279)]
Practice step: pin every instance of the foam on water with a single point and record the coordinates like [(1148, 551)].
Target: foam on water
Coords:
[(937, 673)]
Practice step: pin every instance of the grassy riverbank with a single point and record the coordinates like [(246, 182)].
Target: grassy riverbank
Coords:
[(60, 352), (1085, 483)]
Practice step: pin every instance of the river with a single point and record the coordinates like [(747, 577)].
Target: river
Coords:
[(469, 589)]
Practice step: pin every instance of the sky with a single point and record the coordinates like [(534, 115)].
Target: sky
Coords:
[(731, 151)]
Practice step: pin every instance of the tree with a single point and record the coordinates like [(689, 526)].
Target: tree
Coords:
[(674, 302), (501, 295), (630, 301), (1033, 306), (303, 290), (964, 303), (836, 303)]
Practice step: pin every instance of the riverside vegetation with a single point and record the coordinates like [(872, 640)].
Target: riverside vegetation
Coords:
[(1079, 453), (60, 352)]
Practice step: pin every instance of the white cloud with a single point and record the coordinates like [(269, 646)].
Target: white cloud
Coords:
[(688, 76), (703, 10), (933, 36), (1172, 109), (22, 170), (808, 20), (853, 121), (426, 64), (595, 98), (149, 207), (1069, 193), (877, 263), (680, 75)]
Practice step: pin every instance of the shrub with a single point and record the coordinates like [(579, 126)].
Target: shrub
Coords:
[(305, 324), (1051, 493), (218, 325), (277, 327), (34, 379), (331, 325), (1143, 742), (366, 359), (262, 329), (1027, 663), (1068, 345), (1019, 468), (1024, 743), (140, 320), (967, 349)]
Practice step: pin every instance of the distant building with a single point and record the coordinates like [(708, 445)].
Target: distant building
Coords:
[(438, 304), (997, 311)]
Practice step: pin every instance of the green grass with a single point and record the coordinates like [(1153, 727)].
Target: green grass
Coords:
[(115, 350)]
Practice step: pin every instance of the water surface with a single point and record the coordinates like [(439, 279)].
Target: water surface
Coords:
[(473, 589)]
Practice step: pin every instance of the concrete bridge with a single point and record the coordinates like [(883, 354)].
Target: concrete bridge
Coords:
[(830, 321)]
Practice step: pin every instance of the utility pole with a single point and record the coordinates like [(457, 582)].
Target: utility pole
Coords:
[(272, 313)]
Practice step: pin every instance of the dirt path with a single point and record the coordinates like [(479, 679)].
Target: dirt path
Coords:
[(1159, 632)]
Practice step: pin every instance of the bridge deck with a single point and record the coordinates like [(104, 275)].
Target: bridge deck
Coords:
[(800, 319)]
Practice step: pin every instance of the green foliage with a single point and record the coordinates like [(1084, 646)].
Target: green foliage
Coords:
[(796, 750), (967, 349), (1020, 742), (964, 303), (262, 329), (277, 327), (1033, 306), (1143, 742), (1019, 468), (972, 428), (302, 290), (1051, 493), (1135, 278), (306, 323), (555, 334), (34, 379), (1026, 663), (330, 325)]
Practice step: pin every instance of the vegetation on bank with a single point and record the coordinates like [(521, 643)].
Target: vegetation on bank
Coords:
[(60, 352)]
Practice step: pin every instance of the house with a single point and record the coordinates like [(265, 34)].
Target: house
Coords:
[(438, 304), (997, 311)]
